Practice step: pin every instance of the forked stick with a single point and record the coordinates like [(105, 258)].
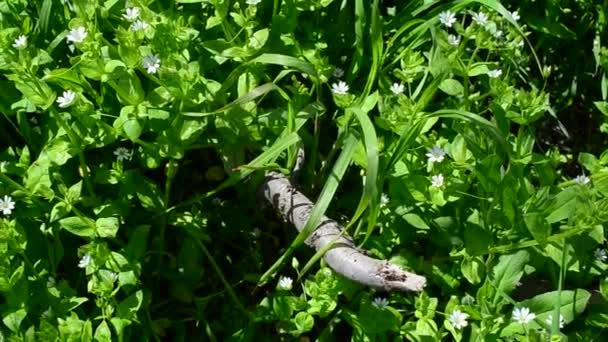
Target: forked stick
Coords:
[(344, 257)]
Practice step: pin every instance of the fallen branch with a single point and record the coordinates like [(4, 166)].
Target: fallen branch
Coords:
[(344, 257)]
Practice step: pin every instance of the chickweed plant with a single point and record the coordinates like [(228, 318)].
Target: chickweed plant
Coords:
[(135, 136)]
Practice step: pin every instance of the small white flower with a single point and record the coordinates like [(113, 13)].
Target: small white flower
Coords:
[(77, 35), (523, 315), (458, 319), (285, 283), (437, 181), (139, 25), (447, 18), (20, 42), (384, 200), (131, 13), (397, 88), (85, 261), (252, 2), (498, 34), (7, 205), (338, 73), (380, 303), (151, 63), (601, 255), (436, 154), (453, 40), (122, 153), (391, 11), (582, 179), (480, 18), (515, 15), (549, 320), (495, 73), (66, 99), (340, 88)]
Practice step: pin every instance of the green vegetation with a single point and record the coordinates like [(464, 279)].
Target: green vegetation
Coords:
[(461, 140)]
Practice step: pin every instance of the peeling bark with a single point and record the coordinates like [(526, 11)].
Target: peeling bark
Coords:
[(344, 257)]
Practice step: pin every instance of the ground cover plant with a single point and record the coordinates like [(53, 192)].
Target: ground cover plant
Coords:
[(151, 152)]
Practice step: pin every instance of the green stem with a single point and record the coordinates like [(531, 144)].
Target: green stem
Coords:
[(218, 270), (81, 159)]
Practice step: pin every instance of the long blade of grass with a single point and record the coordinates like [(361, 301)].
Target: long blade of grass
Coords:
[(370, 192), (261, 161), (253, 94), (286, 61), (377, 45), (321, 205)]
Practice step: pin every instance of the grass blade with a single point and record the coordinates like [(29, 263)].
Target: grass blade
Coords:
[(325, 198)]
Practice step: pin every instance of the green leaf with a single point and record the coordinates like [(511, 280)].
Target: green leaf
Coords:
[(451, 86), (13, 319), (128, 308), (415, 220), (537, 226), (78, 226), (572, 304), (107, 226), (479, 69), (103, 333), (73, 194), (508, 271), (59, 150), (473, 268), (304, 322), (60, 210), (149, 194)]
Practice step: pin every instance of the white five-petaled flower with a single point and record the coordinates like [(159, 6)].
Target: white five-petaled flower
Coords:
[(458, 319), (7, 205), (437, 181), (515, 15), (447, 18), (285, 283), (77, 35), (380, 303), (151, 63), (122, 153), (131, 13), (601, 255), (549, 320), (453, 40), (495, 73), (252, 2), (66, 99), (480, 18), (340, 88), (20, 42), (85, 261), (436, 154), (139, 25), (582, 179), (397, 88), (384, 200), (523, 315), (338, 72)]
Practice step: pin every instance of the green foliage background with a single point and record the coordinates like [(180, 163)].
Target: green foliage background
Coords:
[(169, 239)]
